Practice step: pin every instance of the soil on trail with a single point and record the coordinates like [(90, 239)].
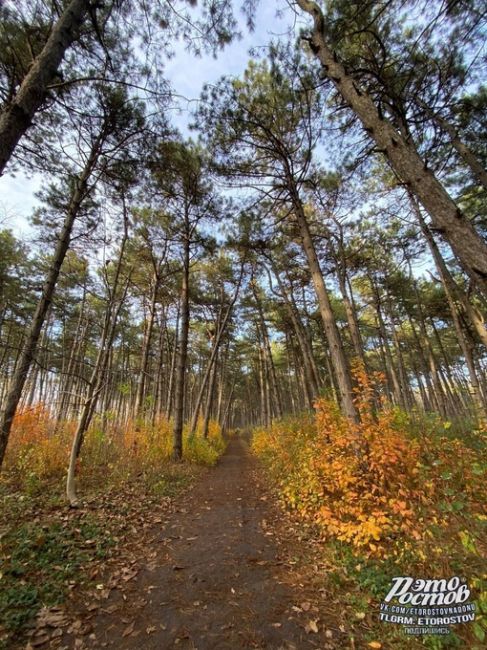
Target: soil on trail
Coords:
[(218, 580)]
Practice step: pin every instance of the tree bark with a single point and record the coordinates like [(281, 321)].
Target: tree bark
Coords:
[(339, 360), (403, 157), (16, 117), (98, 375)]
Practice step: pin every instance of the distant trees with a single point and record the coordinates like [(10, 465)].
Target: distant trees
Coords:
[(150, 294), (264, 132), (95, 134)]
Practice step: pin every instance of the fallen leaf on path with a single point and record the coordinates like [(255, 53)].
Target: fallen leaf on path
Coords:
[(375, 645), (51, 617), (311, 626), (39, 640), (129, 629), (306, 606)]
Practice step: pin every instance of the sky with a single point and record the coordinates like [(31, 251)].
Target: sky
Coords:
[(187, 75)]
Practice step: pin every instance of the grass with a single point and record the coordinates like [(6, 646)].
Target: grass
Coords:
[(40, 564)]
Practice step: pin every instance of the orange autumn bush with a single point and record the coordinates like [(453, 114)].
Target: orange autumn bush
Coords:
[(365, 484), (39, 449), (35, 449)]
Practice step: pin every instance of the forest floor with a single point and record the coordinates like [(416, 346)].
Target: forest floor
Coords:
[(225, 569)]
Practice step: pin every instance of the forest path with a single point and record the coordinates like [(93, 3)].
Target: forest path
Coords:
[(219, 579)]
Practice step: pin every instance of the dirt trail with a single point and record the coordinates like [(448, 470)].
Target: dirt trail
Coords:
[(218, 580)]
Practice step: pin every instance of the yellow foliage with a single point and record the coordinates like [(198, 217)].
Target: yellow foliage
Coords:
[(39, 449)]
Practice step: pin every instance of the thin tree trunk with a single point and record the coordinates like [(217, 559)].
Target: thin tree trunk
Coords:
[(172, 372), (98, 375), (306, 352), (139, 397), (221, 324), (209, 398), (460, 147), (180, 386), (32, 338)]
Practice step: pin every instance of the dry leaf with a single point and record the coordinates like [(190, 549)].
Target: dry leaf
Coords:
[(311, 626), (39, 640), (375, 645), (129, 629)]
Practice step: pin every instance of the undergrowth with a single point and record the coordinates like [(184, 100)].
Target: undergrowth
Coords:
[(125, 477), (397, 495)]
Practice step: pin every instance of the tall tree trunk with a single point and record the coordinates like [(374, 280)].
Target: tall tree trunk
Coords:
[(452, 291), (98, 376), (227, 409), (338, 358), (16, 117), (33, 334), (351, 320), (209, 398), (172, 372), (276, 396), (221, 325), (451, 287), (264, 387), (66, 389), (306, 351), (139, 397), (388, 362), (402, 156), (180, 384)]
